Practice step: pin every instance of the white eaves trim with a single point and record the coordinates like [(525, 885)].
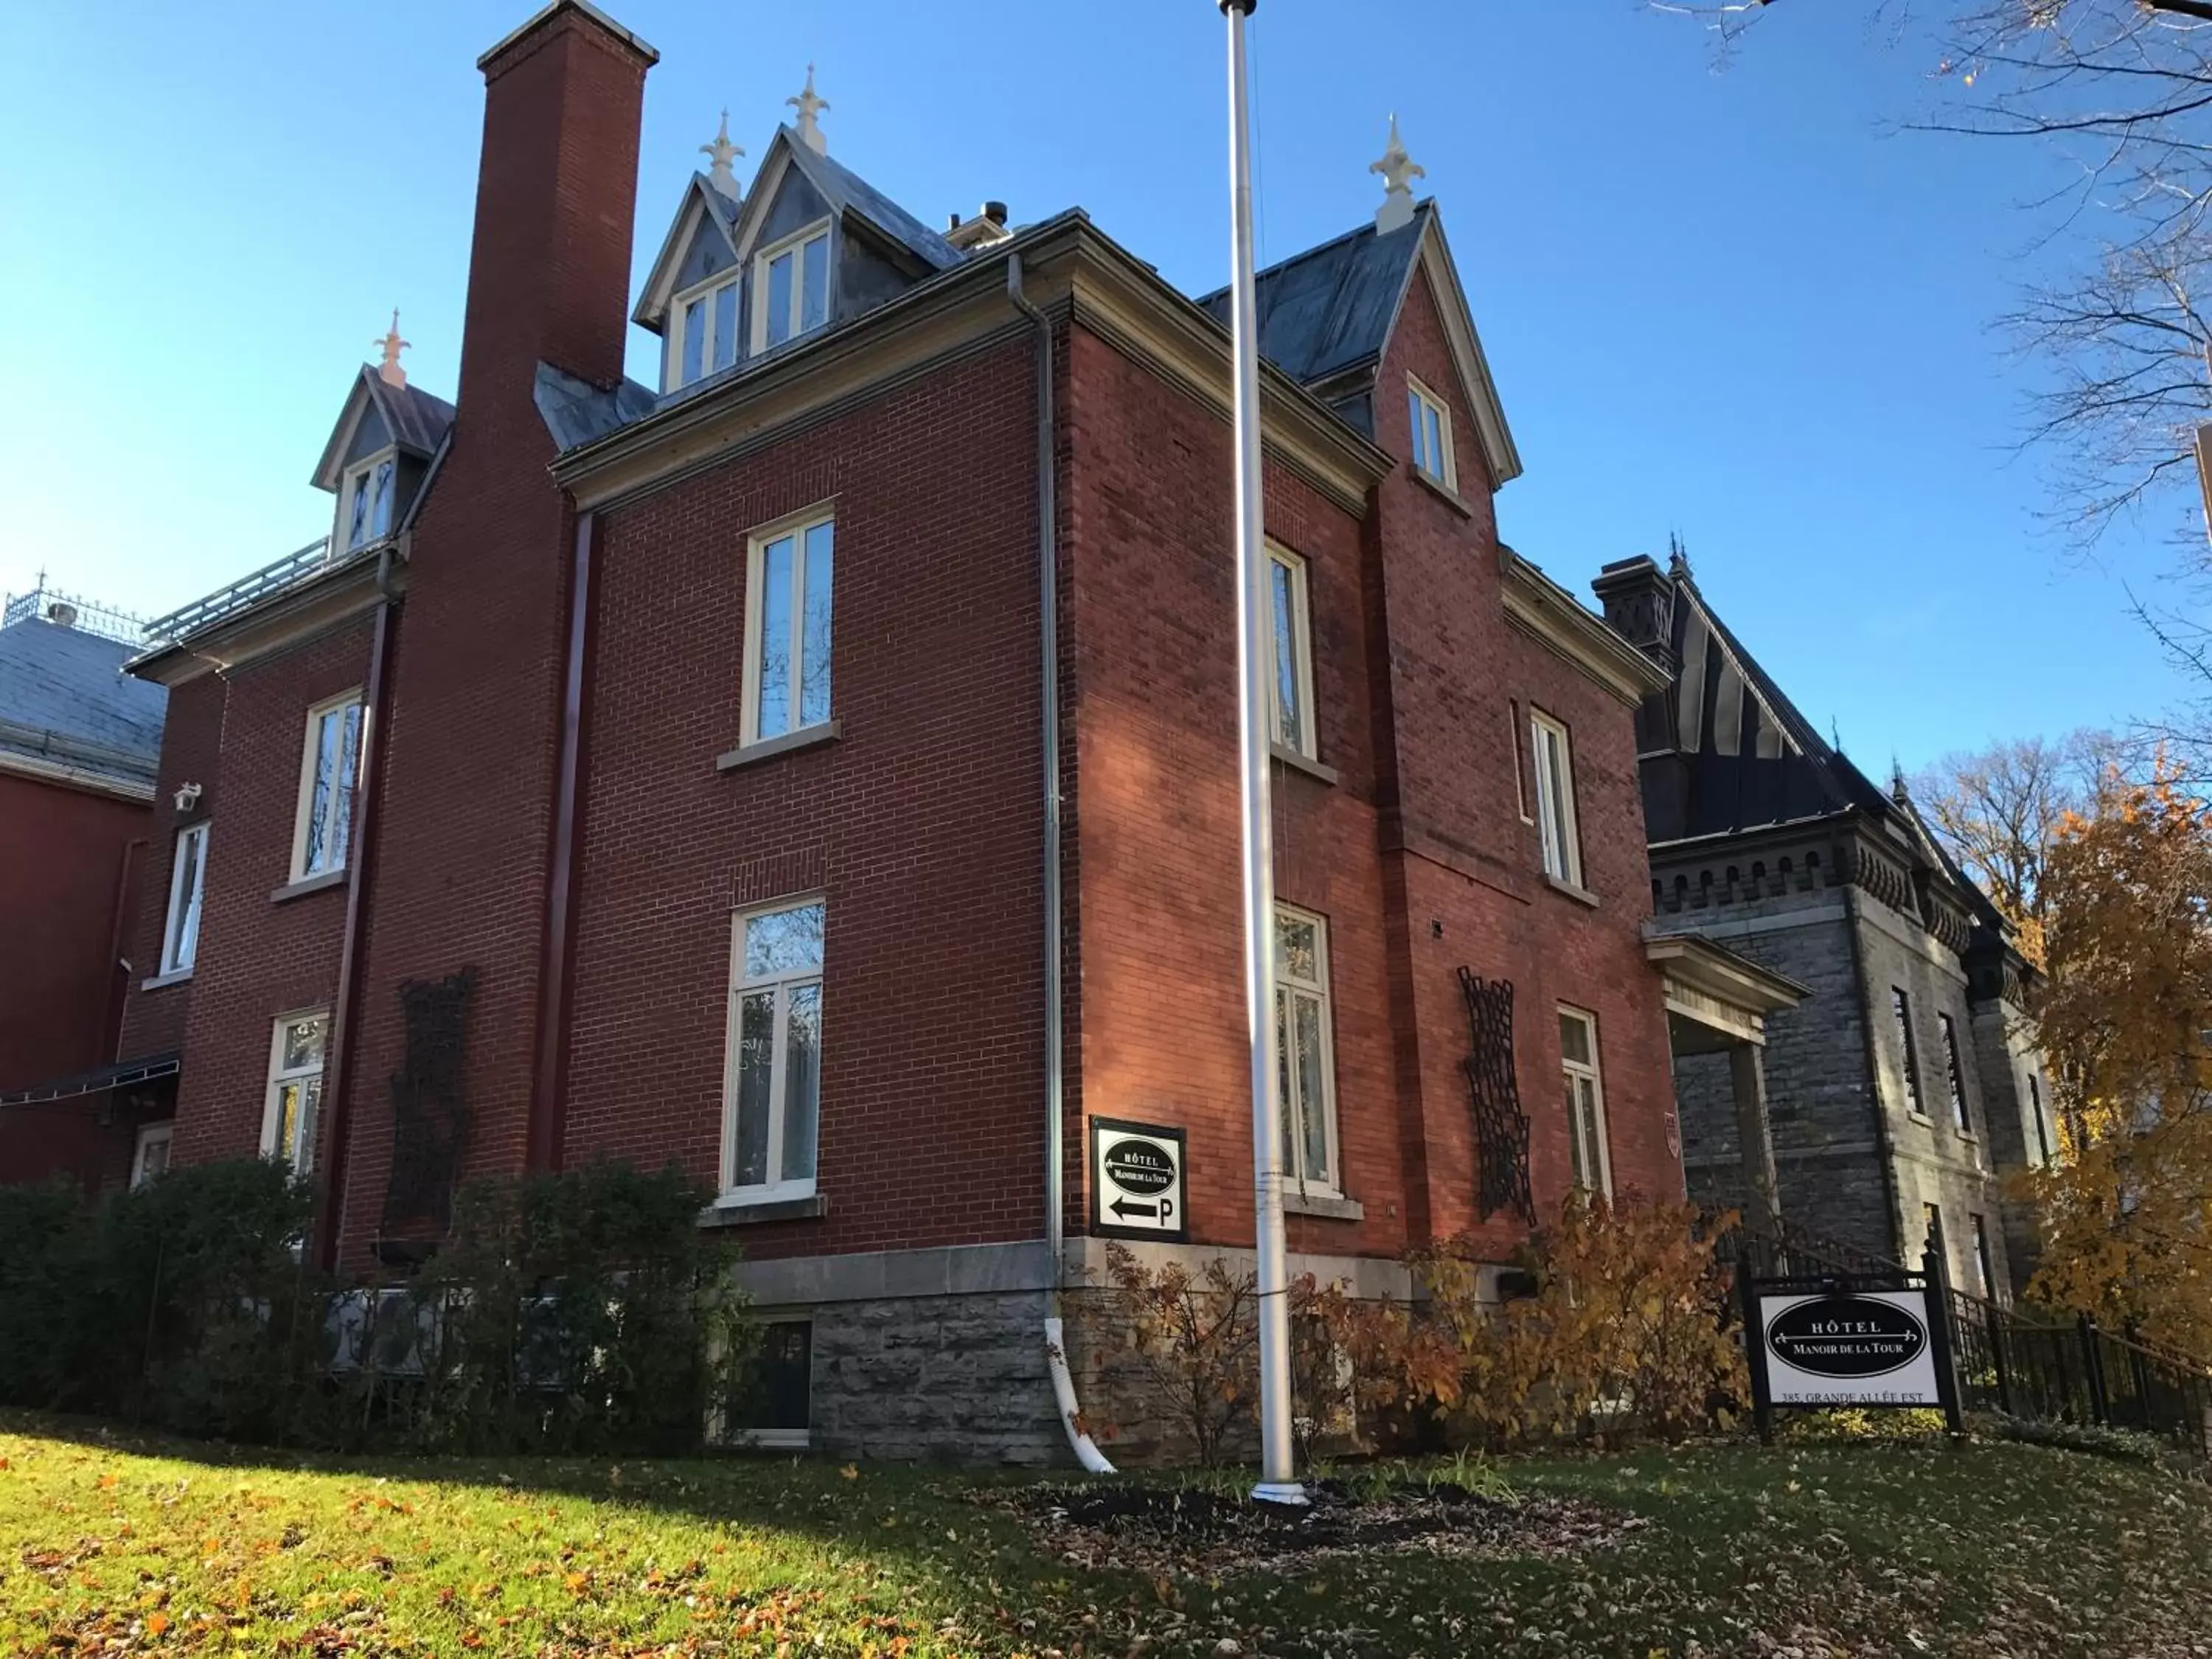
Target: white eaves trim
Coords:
[(653, 300), (75, 777), (1501, 457)]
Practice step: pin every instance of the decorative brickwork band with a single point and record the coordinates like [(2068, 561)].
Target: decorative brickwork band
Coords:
[(429, 1106), (1501, 1129)]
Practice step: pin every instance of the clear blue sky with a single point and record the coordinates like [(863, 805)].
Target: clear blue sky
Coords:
[(1728, 305)]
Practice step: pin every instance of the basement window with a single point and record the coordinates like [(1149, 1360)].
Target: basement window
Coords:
[(777, 1414), (791, 287), (149, 1156)]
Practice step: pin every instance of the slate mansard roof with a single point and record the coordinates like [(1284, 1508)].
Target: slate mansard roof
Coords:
[(65, 702), (1330, 308)]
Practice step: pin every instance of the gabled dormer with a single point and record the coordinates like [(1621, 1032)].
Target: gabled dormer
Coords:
[(380, 450), (813, 244)]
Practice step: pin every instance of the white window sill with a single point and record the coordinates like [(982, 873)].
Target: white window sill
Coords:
[(1438, 487), (798, 1201), (1305, 763), (178, 977), (791, 1440), (746, 753), (1330, 1207), (1580, 894), (306, 884), (1921, 1118)]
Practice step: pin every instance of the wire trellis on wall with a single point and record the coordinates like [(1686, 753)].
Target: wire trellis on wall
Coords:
[(1501, 1129)]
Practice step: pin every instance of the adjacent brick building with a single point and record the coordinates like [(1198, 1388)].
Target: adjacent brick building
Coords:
[(662, 772), (1902, 1080), (78, 742)]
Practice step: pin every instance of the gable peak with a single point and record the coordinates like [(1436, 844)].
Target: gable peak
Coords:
[(1398, 170)]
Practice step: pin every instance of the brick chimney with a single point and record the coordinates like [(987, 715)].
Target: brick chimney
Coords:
[(556, 196), (1638, 598)]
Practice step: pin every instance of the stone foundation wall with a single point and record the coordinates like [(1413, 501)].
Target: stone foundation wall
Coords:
[(938, 1355)]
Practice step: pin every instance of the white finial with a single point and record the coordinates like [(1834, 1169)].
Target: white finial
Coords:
[(808, 106), (1397, 168), (389, 371), (724, 152)]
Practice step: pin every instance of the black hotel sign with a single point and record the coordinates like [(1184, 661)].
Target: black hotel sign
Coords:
[(1813, 1342)]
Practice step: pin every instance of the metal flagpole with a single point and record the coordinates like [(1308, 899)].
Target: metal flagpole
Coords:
[(1279, 1482)]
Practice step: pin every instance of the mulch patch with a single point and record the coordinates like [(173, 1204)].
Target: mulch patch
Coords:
[(1174, 1529)]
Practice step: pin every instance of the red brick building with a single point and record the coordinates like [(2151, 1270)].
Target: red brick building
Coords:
[(662, 772), (78, 746)]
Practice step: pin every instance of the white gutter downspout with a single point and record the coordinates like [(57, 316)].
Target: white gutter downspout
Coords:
[(1056, 1342)]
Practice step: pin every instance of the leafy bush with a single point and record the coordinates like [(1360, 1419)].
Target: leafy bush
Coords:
[(581, 1311), (1196, 1335), (1627, 1335)]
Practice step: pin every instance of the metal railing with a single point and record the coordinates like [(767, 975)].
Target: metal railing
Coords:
[(257, 585), (104, 620), (2024, 1361)]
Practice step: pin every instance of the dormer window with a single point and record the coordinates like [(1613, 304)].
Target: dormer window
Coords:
[(791, 287), (365, 502), (706, 330)]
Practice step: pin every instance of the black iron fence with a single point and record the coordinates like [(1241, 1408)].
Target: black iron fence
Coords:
[(2028, 1364)]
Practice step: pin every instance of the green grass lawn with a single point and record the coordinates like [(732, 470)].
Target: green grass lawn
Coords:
[(111, 1545)]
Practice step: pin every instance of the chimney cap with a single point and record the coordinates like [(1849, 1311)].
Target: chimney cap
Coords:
[(995, 212), (548, 12)]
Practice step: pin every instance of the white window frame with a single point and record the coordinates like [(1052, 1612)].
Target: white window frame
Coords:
[(1301, 673), (1557, 827), (162, 1135), (795, 244), (1419, 400), (672, 375), (302, 1158), (1316, 990), (358, 478), (756, 545), (777, 1188), (304, 811), (180, 928), (1575, 1072)]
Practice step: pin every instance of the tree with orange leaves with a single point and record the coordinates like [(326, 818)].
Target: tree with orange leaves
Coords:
[(2125, 1016)]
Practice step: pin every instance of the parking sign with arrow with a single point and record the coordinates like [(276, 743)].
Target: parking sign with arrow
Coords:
[(1137, 1181)]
